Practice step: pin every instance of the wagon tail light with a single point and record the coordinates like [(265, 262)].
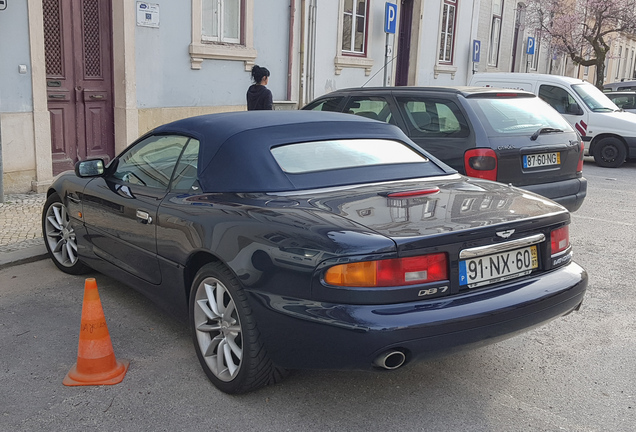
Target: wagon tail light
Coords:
[(481, 163), (560, 239), (390, 272), (579, 166)]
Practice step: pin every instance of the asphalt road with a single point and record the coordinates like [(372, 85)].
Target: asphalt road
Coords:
[(577, 373)]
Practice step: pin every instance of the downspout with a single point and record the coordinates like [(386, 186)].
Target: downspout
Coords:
[(290, 53), (301, 68), (1, 169), (311, 56)]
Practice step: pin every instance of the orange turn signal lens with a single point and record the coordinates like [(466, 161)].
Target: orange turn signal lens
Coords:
[(390, 272)]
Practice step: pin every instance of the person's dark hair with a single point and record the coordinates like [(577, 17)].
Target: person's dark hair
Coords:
[(258, 73)]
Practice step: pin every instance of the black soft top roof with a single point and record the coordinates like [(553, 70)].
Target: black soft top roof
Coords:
[(234, 154)]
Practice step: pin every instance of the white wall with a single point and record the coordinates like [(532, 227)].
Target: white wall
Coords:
[(163, 68), (15, 88)]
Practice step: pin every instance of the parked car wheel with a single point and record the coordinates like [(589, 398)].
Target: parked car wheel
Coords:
[(225, 335), (610, 153), (59, 237)]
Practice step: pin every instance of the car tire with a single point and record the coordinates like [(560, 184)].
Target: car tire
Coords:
[(610, 153), (59, 237), (226, 339)]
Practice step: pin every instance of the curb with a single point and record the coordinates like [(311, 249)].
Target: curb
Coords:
[(23, 256)]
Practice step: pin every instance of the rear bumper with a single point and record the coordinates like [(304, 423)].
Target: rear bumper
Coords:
[(569, 193), (306, 334)]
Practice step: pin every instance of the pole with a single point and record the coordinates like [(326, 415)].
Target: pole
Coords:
[(386, 59)]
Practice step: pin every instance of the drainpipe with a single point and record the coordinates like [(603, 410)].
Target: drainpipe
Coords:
[(290, 53), (1, 168), (301, 65)]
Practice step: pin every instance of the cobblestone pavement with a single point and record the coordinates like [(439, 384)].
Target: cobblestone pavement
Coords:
[(20, 221)]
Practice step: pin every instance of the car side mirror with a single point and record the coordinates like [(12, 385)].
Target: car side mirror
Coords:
[(574, 109), (89, 168)]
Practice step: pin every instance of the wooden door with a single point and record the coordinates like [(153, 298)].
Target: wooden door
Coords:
[(404, 43), (77, 42)]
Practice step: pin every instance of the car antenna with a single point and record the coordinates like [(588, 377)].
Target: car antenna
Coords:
[(380, 70)]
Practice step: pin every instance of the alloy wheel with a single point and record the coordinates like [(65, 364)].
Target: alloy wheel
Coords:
[(60, 236), (218, 329)]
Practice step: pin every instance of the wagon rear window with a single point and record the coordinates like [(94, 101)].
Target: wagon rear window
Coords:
[(329, 155)]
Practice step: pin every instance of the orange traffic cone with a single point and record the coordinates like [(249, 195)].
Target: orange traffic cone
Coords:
[(96, 362)]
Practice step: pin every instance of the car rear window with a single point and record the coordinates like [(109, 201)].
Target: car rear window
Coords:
[(337, 154), (516, 115)]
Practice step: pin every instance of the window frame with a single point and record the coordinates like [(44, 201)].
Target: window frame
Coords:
[(347, 59), (618, 65), (354, 27), (221, 21), (495, 40), (201, 49), (441, 58)]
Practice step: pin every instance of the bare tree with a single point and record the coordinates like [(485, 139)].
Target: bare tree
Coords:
[(584, 28)]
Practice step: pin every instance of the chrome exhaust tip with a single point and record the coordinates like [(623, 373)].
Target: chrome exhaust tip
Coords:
[(390, 360)]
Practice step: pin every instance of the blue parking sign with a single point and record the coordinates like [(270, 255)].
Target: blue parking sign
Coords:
[(476, 51), (530, 47), (390, 18)]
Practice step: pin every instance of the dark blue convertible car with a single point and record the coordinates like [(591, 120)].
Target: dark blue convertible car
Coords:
[(313, 240)]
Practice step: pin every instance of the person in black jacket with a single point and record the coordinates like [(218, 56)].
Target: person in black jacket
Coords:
[(258, 96)]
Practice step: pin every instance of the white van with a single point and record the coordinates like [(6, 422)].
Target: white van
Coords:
[(608, 132)]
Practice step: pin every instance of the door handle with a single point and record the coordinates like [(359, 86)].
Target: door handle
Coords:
[(96, 96), (144, 217), (56, 96)]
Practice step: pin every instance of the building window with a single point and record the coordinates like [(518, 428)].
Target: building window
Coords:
[(352, 36), (495, 32), (221, 21), (222, 30), (447, 39), (354, 26), (618, 66)]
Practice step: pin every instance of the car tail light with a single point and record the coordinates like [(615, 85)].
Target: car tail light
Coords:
[(560, 239), (413, 193), (579, 166), (390, 272), (481, 163)]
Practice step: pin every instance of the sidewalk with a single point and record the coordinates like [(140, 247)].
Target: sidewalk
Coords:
[(21, 229)]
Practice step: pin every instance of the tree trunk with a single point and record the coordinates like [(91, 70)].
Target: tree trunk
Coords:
[(600, 72)]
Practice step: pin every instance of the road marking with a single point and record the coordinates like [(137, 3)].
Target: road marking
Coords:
[(603, 220)]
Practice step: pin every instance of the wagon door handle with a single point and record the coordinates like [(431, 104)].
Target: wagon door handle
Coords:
[(144, 217)]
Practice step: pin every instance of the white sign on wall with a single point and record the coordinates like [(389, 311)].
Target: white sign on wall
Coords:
[(147, 14)]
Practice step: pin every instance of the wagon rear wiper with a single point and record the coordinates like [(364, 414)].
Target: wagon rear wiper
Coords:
[(544, 130)]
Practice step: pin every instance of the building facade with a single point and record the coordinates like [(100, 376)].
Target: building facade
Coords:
[(85, 78)]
